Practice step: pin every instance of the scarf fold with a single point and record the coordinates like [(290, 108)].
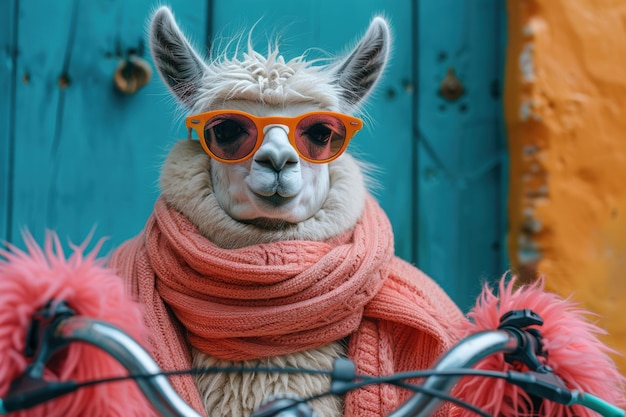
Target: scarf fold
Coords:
[(287, 296), (269, 299)]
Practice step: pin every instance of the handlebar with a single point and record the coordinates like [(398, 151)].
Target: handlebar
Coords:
[(123, 348), (29, 389), (133, 357), (463, 355)]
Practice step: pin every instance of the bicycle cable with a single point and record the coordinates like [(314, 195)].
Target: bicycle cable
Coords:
[(57, 389)]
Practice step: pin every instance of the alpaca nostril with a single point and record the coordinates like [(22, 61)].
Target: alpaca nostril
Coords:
[(267, 163), (274, 164)]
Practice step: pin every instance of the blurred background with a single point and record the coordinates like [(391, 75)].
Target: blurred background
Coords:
[(497, 132)]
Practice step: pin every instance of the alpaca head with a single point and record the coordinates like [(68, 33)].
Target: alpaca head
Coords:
[(273, 186)]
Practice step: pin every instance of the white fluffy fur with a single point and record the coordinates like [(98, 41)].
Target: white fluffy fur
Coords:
[(233, 205), (268, 80), (234, 395)]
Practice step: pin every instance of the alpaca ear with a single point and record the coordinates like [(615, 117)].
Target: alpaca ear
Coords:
[(177, 62), (360, 71)]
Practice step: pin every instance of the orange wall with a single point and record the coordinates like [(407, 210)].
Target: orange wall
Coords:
[(565, 105)]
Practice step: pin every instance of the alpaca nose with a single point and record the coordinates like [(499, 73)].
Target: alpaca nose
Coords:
[(276, 151)]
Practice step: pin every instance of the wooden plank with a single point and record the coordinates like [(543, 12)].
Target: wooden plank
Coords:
[(461, 150), (85, 154), (387, 141), (8, 55)]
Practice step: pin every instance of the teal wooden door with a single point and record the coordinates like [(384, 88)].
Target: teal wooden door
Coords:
[(460, 145), (75, 152)]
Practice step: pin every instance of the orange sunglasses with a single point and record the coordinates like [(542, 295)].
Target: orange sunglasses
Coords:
[(233, 136)]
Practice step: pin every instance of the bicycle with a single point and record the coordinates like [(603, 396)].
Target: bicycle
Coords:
[(55, 326)]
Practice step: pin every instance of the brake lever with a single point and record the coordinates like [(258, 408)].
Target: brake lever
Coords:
[(29, 388), (531, 347), (540, 381)]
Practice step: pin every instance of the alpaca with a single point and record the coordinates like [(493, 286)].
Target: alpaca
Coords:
[(287, 259), (265, 248)]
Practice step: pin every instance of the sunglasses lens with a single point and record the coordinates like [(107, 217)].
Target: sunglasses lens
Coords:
[(230, 136), (320, 136)]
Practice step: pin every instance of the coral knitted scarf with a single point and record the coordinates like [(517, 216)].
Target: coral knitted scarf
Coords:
[(275, 298)]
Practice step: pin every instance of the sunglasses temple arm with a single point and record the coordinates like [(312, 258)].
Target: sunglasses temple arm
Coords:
[(189, 133)]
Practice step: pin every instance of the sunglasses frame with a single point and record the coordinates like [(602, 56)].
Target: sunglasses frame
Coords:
[(198, 121)]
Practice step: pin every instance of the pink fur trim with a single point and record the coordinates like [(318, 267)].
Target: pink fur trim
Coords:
[(575, 353), (28, 280)]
